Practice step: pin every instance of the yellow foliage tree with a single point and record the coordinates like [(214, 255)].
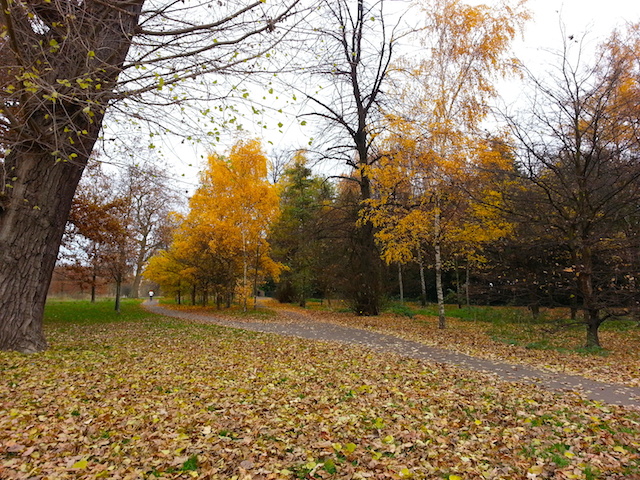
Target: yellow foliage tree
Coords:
[(434, 151), (222, 241)]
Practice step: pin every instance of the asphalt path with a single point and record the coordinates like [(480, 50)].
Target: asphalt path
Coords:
[(306, 327)]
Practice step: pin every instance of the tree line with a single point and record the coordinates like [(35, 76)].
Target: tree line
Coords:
[(541, 213)]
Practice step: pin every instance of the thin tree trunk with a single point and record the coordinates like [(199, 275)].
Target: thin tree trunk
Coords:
[(255, 278), (467, 283), (118, 290), (93, 286), (400, 283), (458, 289), (423, 283), (303, 298), (442, 323)]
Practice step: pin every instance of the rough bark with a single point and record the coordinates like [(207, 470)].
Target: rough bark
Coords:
[(44, 165), (592, 317), (31, 228)]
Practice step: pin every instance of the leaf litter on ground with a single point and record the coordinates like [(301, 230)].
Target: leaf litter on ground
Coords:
[(160, 398)]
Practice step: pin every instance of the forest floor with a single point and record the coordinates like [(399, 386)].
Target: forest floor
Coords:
[(146, 396)]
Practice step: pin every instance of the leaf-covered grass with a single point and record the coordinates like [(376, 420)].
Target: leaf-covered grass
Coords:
[(148, 397), (260, 313), (511, 334)]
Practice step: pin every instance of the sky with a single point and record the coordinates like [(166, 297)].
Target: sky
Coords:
[(593, 18)]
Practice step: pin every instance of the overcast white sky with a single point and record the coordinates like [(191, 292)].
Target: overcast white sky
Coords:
[(595, 18)]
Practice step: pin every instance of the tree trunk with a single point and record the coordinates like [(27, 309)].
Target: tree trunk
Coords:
[(32, 222), (366, 288), (423, 283), (585, 283), (458, 290), (44, 166), (255, 278), (302, 300), (137, 279), (93, 286), (118, 291), (400, 283), (467, 283), (442, 322), (593, 325)]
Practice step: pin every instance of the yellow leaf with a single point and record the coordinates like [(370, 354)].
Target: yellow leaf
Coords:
[(619, 449), (536, 469), (80, 464), (406, 473), (455, 477)]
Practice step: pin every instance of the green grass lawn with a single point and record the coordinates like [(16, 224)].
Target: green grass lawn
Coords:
[(137, 395)]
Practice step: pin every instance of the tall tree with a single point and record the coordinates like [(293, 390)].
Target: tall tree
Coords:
[(436, 128), (297, 235), (222, 241), (579, 155), (68, 63), (95, 214), (354, 45), (151, 200)]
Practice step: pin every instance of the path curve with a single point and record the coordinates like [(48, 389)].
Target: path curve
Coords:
[(309, 328)]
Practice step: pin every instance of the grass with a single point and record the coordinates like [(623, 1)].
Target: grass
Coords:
[(83, 312), (516, 326)]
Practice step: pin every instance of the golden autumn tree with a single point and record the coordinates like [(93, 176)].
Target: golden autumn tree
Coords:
[(222, 241), (435, 146)]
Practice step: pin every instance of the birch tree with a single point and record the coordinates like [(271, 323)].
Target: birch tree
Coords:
[(437, 123)]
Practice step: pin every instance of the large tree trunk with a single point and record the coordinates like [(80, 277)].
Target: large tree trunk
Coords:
[(365, 289), (139, 268), (590, 304), (31, 226), (45, 163)]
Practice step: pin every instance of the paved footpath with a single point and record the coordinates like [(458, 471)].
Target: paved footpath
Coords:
[(305, 327)]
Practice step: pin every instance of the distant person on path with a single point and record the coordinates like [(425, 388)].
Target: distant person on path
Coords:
[(151, 295)]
